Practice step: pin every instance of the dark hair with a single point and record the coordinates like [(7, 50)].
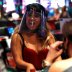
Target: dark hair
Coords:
[(67, 33), (41, 30), (67, 30)]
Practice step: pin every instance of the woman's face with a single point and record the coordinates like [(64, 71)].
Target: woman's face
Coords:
[(33, 20)]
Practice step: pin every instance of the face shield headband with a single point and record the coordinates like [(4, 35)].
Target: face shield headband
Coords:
[(41, 30), (43, 27)]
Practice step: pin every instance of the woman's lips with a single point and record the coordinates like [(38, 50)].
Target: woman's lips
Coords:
[(32, 23)]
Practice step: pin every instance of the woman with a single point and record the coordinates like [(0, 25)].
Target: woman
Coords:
[(30, 52)]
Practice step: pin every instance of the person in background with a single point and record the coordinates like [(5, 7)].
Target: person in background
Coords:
[(56, 14), (30, 45), (64, 13), (65, 65)]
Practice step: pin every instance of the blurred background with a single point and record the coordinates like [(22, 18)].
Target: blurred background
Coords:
[(11, 12)]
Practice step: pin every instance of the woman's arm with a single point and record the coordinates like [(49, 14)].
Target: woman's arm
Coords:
[(16, 49)]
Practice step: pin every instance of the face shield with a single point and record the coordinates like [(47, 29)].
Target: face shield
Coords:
[(39, 11)]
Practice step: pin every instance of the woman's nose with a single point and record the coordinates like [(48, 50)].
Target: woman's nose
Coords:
[(32, 18)]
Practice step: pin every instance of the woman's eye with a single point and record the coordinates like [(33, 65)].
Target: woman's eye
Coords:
[(33, 14)]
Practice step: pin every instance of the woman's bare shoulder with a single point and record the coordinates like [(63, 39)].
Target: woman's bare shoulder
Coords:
[(14, 36), (60, 66), (55, 67)]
